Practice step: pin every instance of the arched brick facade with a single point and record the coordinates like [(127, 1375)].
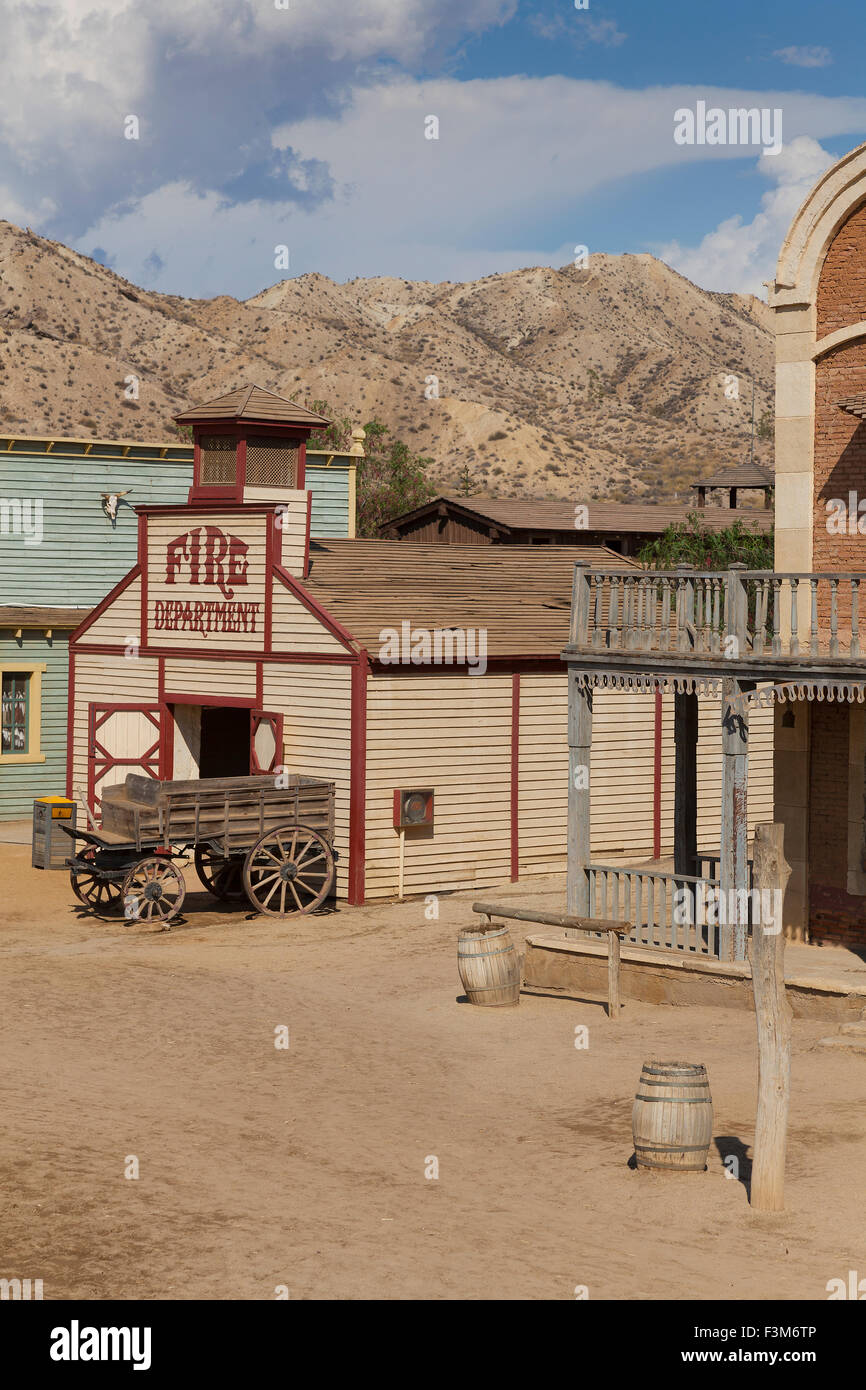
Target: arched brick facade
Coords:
[(819, 299)]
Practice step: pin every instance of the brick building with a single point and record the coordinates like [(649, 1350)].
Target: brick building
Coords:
[(819, 301)]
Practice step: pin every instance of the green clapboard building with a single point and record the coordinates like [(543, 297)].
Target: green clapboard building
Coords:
[(68, 534)]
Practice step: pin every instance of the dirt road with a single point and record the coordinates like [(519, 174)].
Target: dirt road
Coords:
[(304, 1167)]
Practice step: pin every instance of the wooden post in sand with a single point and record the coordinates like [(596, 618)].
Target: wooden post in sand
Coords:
[(773, 1015)]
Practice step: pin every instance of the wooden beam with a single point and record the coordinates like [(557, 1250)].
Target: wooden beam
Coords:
[(579, 757), (733, 847), (553, 919), (685, 783), (773, 1016), (613, 964)]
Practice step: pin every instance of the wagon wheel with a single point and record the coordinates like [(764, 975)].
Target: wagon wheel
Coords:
[(94, 892), (289, 869), (153, 891), (220, 875)]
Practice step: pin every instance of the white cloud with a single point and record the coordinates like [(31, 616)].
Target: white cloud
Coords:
[(208, 79), (515, 156), (579, 28), (742, 255), (806, 57)]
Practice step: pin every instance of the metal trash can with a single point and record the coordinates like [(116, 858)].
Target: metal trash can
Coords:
[(51, 845)]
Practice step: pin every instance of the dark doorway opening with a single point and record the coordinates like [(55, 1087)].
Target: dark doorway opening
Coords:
[(225, 742)]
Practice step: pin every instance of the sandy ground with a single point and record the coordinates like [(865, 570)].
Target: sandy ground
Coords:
[(305, 1167)]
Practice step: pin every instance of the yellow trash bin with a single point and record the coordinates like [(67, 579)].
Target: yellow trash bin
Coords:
[(51, 845)]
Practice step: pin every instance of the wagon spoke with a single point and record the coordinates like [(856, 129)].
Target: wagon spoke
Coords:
[(314, 860), (295, 895), (311, 885), (277, 883), (265, 853)]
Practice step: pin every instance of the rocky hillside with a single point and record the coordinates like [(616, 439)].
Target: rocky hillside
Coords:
[(607, 381)]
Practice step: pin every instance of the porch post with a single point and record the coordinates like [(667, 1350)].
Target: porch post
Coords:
[(733, 850), (579, 753), (685, 783)]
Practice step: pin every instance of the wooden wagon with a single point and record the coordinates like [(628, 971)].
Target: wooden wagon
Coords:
[(249, 837)]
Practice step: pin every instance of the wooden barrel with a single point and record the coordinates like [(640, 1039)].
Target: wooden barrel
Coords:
[(672, 1119), (489, 965)]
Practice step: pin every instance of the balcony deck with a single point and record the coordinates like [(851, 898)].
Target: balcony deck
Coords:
[(756, 625)]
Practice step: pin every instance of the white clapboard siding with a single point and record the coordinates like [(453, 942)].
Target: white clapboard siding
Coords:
[(105, 680), (451, 733), (293, 528), (316, 702), (235, 679), (120, 624), (622, 774), (296, 629)]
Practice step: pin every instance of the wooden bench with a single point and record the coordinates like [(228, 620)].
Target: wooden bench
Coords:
[(615, 930)]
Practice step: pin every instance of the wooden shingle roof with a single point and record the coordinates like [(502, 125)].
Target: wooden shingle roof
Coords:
[(256, 404), (520, 594), (14, 615), (742, 475), (615, 518)]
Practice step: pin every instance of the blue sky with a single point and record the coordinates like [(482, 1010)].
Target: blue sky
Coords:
[(301, 123)]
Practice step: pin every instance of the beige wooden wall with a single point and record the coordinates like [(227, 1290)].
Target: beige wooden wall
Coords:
[(316, 702), (621, 777), (452, 733), (121, 621)]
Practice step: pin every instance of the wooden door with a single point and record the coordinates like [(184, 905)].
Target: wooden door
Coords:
[(122, 739)]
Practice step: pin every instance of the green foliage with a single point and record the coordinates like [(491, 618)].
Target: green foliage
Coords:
[(692, 542), (764, 427), (338, 435), (391, 479)]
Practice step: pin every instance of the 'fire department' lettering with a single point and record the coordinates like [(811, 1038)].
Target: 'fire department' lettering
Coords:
[(211, 556), (175, 615)]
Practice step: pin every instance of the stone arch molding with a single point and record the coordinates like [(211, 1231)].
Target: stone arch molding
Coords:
[(835, 196), (841, 335)]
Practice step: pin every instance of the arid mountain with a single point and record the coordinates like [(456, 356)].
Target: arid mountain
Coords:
[(613, 381)]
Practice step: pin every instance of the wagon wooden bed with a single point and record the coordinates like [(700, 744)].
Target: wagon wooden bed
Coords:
[(249, 838)]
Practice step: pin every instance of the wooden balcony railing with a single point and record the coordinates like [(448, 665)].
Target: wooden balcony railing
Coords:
[(656, 905), (735, 613), (678, 912)]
